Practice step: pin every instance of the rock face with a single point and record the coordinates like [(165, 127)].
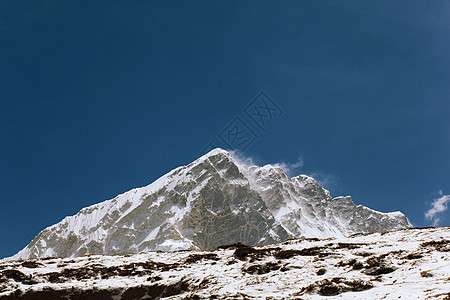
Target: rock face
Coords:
[(213, 201)]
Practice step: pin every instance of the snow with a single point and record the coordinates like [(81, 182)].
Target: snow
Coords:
[(174, 245), (297, 207), (152, 234), (416, 265)]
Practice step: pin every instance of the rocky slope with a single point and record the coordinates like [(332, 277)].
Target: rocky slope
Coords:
[(213, 201), (406, 264)]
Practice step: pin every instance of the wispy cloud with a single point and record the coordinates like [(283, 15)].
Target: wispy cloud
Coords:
[(290, 168), (438, 206), (241, 158), (326, 180)]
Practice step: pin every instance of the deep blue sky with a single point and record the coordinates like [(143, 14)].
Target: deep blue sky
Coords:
[(101, 97)]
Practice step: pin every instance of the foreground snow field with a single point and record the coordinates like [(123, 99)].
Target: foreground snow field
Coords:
[(409, 263)]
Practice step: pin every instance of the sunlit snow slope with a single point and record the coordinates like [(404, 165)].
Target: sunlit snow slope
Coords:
[(213, 201), (404, 264)]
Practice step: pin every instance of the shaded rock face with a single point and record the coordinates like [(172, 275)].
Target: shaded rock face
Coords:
[(226, 209), (213, 201)]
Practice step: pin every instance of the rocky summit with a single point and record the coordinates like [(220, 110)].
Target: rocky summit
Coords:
[(215, 200)]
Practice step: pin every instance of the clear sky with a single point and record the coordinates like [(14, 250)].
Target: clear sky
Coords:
[(98, 97)]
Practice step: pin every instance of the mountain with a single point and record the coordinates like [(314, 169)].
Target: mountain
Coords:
[(215, 200), (403, 264)]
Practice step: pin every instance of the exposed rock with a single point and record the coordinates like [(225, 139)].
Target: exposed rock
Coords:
[(300, 269), (215, 200)]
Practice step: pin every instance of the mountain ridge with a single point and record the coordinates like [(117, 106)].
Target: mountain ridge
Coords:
[(215, 200)]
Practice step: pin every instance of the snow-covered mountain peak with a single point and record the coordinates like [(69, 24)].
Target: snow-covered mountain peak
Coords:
[(216, 151), (213, 156), (217, 199)]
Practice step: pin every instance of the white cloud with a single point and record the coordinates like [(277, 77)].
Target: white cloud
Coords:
[(326, 180), (241, 158), (290, 168), (438, 206)]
